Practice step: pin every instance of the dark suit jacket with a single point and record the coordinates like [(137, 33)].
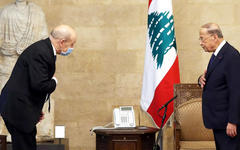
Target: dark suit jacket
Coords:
[(221, 93), (24, 94)]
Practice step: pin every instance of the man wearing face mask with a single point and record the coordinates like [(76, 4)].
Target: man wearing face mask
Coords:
[(30, 85), (22, 23)]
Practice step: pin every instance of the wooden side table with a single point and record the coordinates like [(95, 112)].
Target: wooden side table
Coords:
[(139, 138)]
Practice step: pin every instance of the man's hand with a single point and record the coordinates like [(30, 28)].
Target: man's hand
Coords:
[(231, 130), (41, 116), (202, 79)]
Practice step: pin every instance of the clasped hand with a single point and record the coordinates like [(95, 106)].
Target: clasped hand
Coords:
[(41, 116), (202, 79), (231, 130)]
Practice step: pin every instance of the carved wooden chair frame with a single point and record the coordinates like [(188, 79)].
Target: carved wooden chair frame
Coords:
[(184, 93)]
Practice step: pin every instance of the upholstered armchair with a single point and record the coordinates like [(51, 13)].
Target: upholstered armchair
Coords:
[(190, 133)]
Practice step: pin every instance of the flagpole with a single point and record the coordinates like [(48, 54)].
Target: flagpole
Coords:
[(160, 133), (161, 69)]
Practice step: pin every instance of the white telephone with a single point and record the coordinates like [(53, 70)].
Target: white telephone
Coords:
[(124, 117)]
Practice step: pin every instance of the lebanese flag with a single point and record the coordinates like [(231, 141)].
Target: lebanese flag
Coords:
[(161, 69)]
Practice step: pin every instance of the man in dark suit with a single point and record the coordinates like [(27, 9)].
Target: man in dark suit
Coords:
[(221, 88), (30, 85)]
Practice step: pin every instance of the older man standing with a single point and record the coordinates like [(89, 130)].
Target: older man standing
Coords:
[(30, 85), (221, 88)]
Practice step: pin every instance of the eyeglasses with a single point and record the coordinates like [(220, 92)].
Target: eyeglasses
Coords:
[(204, 39)]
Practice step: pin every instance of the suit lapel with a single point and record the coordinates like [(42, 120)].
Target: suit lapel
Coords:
[(50, 48), (216, 61), (50, 51)]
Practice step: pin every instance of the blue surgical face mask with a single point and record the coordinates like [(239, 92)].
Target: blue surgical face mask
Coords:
[(67, 52)]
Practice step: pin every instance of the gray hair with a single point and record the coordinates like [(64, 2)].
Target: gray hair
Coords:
[(213, 28)]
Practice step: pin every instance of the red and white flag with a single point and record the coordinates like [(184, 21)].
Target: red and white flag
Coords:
[(161, 69)]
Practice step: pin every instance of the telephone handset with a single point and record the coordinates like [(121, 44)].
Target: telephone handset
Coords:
[(124, 117)]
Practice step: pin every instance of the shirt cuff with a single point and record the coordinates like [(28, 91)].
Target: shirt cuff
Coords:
[(54, 78)]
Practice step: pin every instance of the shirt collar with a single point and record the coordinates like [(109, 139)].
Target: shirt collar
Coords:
[(219, 47), (54, 51)]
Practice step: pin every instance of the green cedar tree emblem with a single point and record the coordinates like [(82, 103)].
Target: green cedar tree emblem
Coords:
[(161, 35)]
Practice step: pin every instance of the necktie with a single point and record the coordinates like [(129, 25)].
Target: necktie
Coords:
[(211, 60), (55, 57)]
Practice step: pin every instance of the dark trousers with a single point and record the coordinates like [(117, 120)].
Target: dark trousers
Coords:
[(21, 140), (224, 142)]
